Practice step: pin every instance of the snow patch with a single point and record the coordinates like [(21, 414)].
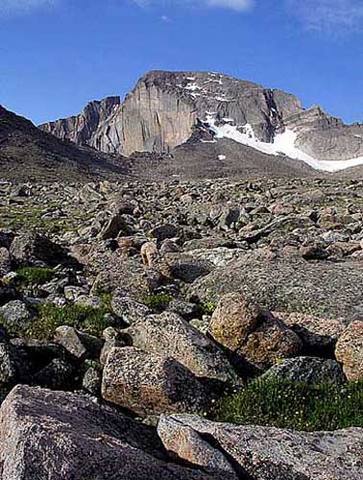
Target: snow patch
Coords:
[(284, 144), (221, 157), (192, 87)]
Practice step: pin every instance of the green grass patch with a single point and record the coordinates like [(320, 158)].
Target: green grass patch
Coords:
[(34, 275), (87, 319), (158, 302), (208, 307), (294, 405)]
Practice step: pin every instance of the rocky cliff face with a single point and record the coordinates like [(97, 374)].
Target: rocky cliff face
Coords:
[(83, 129), (162, 110), (165, 110), (326, 137)]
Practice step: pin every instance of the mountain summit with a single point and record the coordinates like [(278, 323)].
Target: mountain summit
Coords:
[(167, 109)]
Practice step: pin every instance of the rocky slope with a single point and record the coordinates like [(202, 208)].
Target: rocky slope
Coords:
[(166, 109), (131, 310), (27, 153)]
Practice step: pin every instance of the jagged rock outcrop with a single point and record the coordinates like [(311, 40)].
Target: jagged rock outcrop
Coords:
[(325, 137), (167, 109), (83, 129)]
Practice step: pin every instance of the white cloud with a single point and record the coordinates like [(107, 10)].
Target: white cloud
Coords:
[(23, 6), (329, 15), (237, 5)]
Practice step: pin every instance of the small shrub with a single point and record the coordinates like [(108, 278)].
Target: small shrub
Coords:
[(295, 405), (158, 302), (34, 275)]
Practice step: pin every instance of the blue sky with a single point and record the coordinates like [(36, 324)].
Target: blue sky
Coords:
[(56, 55)]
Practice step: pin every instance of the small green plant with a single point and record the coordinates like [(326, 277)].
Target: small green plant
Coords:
[(88, 319), (294, 405), (34, 275), (208, 307), (157, 302)]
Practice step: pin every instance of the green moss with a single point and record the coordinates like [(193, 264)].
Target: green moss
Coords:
[(208, 307), (88, 319), (157, 302), (295, 405), (34, 275)]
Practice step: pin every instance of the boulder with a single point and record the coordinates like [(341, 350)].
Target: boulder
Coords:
[(169, 334), (318, 334), (112, 339), (186, 444), (92, 380), (16, 316), (256, 336), (163, 232), (6, 237), (79, 344), (5, 263), (33, 248), (127, 309), (186, 310), (186, 268), (64, 436), (233, 320), (148, 383), (57, 375), (269, 343), (349, 351), (9, 364), (264, 453), (307, 370), (288, 284), (117, 223)]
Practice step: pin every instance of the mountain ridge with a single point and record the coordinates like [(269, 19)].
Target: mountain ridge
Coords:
[(163, 109)]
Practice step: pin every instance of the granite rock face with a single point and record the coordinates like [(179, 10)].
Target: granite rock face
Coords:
[(325, 137), (167, 109), (61, 436), (262, 453), (164, 109), (84, 128)]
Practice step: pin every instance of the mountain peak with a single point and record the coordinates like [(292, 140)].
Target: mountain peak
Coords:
[(165, 109)]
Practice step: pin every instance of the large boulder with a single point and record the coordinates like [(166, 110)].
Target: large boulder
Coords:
[(169, 334), (288, 284), (63, 436), (148, 383), (186, 268), (264, 453), (307, 370), (349, 351), (233, 320), (33, 248), (256, 336), (318, 334)]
